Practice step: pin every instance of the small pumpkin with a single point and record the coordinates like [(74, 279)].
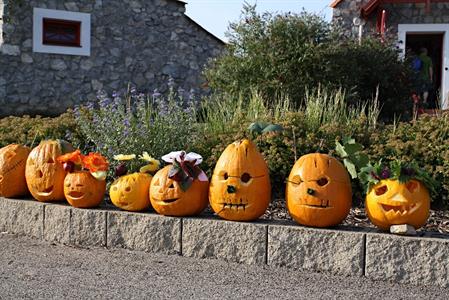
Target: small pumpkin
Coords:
[(318, 191), (131, 192), (240, 188), (82, 190), (390, 202), (44, 174), (168, 198), (12, 170)]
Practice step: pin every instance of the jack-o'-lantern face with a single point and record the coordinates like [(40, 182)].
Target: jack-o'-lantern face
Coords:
[(240, 188), (167, 197), (131, 192), (44, 174), (82, 190), (318, 191), (393, 203), (12, 170)]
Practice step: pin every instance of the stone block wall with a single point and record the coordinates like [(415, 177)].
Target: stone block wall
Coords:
[(142, 42), (403, 13)]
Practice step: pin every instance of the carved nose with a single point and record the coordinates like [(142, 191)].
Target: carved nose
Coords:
[(232, 189), (310, 191)]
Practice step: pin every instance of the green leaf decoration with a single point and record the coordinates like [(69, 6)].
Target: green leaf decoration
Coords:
[(340, 150), (272, 128), (351, 168), (255, 128), (186, 184)]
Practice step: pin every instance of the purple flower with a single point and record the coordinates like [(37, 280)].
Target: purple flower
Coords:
[(385, 173), (90, 105)]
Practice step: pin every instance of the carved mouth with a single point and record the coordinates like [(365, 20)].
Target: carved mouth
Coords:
[(234, 206), (399, 209), (323, 204), (46, 192), (76, 195), (170, 200)]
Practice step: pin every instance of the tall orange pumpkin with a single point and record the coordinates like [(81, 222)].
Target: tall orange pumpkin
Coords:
[(12, 170), (44, 174), (318, 191), (393, 203), (240, 188), (167, 197), (82, 190)]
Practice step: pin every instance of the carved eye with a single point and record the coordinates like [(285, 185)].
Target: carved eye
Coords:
[(245, 177), (114, 188), (296, 179), (322, 181), (50, 160), (128, 189), (67, 184), (411, 186), (381, 190), (225, 176), (157, 183), (171, 186)]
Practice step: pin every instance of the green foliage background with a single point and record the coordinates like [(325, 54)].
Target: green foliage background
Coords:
[(290, 53)]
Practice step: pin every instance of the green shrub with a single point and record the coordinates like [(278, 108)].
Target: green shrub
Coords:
[(30, 131), (288, 54)]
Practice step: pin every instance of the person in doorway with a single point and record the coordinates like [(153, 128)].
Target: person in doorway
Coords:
[(426, 73)]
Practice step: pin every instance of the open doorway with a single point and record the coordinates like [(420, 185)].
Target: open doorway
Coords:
[(433, 42)]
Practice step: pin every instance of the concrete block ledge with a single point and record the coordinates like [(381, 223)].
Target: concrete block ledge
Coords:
[(412, 260)]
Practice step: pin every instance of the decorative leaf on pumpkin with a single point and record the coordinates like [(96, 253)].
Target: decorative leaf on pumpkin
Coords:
[(184, 168)]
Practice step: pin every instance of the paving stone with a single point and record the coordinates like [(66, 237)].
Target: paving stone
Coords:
[(144, 232), (57, 223), (23, 217), (226, 240), (407, 259), (316, 250), (88, 227)]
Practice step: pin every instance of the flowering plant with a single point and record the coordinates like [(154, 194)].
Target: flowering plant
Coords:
[(185, 168), (95, 163), (151, 167), (395, 170)]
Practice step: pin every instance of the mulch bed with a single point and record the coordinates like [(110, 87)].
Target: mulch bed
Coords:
[(438, 221)]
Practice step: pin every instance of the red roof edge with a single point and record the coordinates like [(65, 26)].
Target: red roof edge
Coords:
[(335, 3)]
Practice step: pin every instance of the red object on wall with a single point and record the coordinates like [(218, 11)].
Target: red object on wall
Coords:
[(61, 32)]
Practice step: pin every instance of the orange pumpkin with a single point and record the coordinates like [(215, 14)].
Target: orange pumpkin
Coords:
[(82, 190), (167, 197), (240, 188), (12, 170), (131, 192), (318, 191), (44, 174), (393, 203)]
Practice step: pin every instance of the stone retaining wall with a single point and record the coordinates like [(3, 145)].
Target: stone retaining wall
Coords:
[(416, 260)]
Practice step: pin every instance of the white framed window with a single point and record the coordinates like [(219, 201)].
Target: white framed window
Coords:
[(61, 32)]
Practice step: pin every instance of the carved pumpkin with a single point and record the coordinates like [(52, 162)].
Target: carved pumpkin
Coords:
[(318, 191), (12, 170), (44, 174), (393, 203), (82, 190), (240, 188), (131, 192), (167, 197)]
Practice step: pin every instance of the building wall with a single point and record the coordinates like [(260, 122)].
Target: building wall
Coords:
[(408, 13), (142, 42)]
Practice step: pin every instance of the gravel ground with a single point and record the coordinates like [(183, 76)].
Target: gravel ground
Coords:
[(31, 269)]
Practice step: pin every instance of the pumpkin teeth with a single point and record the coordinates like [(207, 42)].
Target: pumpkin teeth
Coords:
[(400, 209), (234, 206)]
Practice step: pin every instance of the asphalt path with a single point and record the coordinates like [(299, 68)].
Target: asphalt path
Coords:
[(32, 269)]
